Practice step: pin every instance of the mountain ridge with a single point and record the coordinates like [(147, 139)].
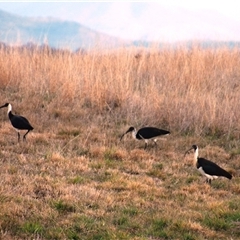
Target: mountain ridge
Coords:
[(18, 30), (70, 35)]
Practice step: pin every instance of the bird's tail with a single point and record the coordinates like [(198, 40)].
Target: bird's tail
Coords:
[(163, 132), (226, 174)]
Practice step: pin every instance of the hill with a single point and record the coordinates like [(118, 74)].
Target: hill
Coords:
[(56, 33)]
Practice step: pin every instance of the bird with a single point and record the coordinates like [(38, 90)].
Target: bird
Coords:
[(18, 122), (146, 133), (208, 168)]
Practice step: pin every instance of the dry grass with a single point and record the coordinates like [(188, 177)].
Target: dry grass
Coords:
[(73, 179)]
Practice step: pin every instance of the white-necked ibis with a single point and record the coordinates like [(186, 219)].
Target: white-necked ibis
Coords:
[(146, 133), (208, 168), (18, 122)]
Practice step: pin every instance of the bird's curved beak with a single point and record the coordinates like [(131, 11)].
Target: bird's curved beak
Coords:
[(125, 134), (3, 106), (188, 151), (122, 137)]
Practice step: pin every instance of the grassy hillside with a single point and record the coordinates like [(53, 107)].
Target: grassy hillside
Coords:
[(74, 179)]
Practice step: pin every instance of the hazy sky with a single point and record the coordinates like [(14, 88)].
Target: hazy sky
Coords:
[(168, 20)]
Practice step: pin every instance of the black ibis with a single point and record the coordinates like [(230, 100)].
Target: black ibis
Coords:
[(146, 133), (208, 168), (18, 122)]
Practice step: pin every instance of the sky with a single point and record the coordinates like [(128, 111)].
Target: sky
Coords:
[(164, 20)]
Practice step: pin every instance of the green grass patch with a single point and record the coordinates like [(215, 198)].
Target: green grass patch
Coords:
[(85, 227), (157, 171), (55, 233), (32, 228), (121, 221), (111, 159), (225, 220), (234, 205), (216, 223), (191, 179), (159, 229), (78, 180), (63, 207), (234, 152), (218, 184), (103, 176), (131, 211), (180, 228), (10, 223)]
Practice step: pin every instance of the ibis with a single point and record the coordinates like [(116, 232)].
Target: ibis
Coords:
[(18, 122), (146, 133), (208, 168)]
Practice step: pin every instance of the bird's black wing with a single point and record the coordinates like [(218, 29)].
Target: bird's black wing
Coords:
[(161, 131), (150, 132), (212, 168), (20, 122)]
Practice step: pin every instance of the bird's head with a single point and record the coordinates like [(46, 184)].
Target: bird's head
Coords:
[(5, 105), (129, 130), (194, 147), (8, 105)]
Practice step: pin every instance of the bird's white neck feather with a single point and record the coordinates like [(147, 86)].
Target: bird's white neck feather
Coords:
[(9, 108), (134, 133), (195, 156)]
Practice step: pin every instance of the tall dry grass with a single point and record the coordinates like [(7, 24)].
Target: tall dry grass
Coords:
[(72, 179), (185, 90)]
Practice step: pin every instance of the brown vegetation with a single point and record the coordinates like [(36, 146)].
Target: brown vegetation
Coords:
[(73, 179)]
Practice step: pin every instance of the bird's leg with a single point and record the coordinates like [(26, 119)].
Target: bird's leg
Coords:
[(208, 180), (24, 136), (18, 136), (146, 143)]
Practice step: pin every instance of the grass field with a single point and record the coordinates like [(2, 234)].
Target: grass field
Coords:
[(74, 179)]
